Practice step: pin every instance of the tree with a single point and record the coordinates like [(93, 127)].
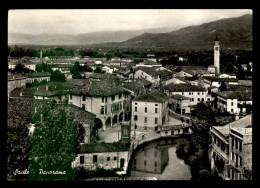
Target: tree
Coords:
[(18, 147), (75, 70), (98, 70), (20, 68), (54, 146), (57, 76)]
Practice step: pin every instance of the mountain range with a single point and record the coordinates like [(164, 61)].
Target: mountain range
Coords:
[(234, 33)]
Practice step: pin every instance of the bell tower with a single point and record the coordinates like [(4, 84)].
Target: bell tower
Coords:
[(216, 55)]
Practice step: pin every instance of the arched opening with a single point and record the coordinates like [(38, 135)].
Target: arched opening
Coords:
[(115, 120), (121, 117), (94, 132), (108, 122)]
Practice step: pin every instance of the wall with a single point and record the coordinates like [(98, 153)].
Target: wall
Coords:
[(102, 160)]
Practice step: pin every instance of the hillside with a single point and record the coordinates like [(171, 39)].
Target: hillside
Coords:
[(232, 32), (81, 39)]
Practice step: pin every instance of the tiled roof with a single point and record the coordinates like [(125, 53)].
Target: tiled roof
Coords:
[(104, 147), (15, 77), (245, 82), (133, 86), (36, 74), (26, 92), (165, 73), (143, 81), (154, 96), (180, 97), (215, 79), (239, 88), (183, 88), (239, 95), (149, 70)]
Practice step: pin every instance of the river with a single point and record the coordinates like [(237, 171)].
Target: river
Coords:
[(160, 160)]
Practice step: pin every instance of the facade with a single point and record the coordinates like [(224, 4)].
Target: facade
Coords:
[(15, 82), (231, 149), (149, 74), (149, 111), (180, 104), (195, 93), (234, 101)]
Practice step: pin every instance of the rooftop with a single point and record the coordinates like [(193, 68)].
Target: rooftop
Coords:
[(154, 96), (149, 70), (132, 86), (183, 88), (143, 81), (36, 74), (180, 97), (239, 95), (215, 79)]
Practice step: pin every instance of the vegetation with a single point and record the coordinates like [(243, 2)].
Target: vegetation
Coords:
[(57, 76), (20, 68)]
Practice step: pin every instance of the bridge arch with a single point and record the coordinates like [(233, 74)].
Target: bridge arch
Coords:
[(108, 122)]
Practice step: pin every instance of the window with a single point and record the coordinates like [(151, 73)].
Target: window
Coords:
[(120, 95), (145, 109), (198, 93), (232, 103), (182, 93), (236, 142), (70, 96), (240, 145), (240, 161), (114, 158), (81, 159), (135, 117), (233, 142), (156, 110), (155, 153), (94, 158), (156, 121), (136, 103), (145, 119), (232, 156), (145, 128), (189, 93), (83, 106), (108, 158), (113, 98), (84, 98), (198, 99), (155, 164), (135, 109), (156, 104), (192, 99), (202, 93), (144, 163)]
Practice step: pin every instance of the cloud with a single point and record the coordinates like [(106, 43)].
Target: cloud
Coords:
[(88, 20)]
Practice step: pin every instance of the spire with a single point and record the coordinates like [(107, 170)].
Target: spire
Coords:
[(216, 39)]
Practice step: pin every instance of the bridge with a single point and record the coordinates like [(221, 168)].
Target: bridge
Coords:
[(173, 132)]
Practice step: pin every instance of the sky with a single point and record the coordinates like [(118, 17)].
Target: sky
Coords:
[(66, 21)]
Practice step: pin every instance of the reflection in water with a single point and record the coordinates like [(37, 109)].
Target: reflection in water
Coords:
[(159, 160)]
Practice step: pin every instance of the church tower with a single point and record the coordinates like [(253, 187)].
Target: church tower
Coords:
[(216, 55)]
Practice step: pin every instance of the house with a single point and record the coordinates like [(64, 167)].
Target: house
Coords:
[(208, 81), (226, 75), (149, 74), (180, 104), (189, 71), (37, 76), (165, 74), (110, 69), (234, 101), (135, 88), (107, 100), (195, 93), (148, 63), (227, 146), (175, 80), (103, 155), (149, 111), (147, 84), (15, 81)]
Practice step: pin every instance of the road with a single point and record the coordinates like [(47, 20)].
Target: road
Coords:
[(110, 134)]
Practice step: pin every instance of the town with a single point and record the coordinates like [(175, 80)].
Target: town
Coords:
[(104, 113)]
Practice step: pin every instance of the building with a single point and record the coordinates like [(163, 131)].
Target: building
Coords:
[(180, 104), (175, 80), (15, 81), (37, 76), (224, 144), (217, 55), (195, 93), (135, 88), (208, 81), (149, 74), (102, 155), (234, 102), (110, 69), (149, 111), (148, 63)]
